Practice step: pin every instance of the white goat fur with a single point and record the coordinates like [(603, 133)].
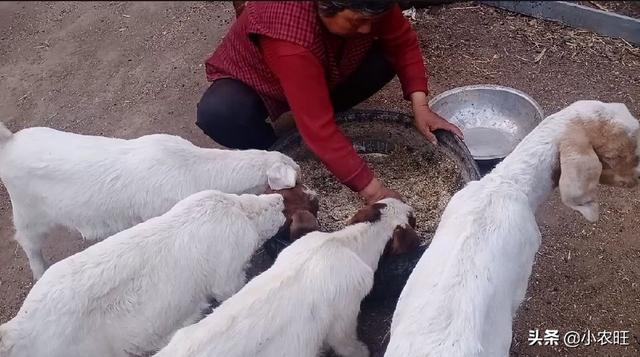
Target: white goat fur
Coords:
[(100, 186), (128, 294), (464, 292), (310, 296)]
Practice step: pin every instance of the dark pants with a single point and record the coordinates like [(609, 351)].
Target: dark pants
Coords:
[(232, 113)]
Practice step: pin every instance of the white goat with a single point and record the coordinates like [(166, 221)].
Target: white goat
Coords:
[(463, 293), (128, 294), (310, 295), (100, 186)]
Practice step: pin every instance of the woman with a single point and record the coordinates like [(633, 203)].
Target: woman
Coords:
[(315, 58)]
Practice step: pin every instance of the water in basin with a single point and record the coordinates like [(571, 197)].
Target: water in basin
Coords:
[(488, 142)]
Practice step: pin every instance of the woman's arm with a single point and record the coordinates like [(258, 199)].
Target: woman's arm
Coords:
[(400, 45), (302, 78)]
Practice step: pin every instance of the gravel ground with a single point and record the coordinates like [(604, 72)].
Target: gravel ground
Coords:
[(132, 68)]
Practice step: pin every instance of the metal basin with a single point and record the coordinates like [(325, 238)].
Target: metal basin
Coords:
[(494, 119)]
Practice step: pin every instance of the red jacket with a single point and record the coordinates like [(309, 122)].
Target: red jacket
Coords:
[(281, 49)]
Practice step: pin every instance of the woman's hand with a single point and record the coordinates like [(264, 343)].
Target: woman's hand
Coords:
[(426, 121), (375, 191)]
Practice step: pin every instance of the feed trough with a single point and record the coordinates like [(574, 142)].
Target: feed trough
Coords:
[(494, 119), (381, 136)]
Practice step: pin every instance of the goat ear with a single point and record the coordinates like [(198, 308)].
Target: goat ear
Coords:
[(314, 199), (580, 171), (412, 220), (302, 222), (403, 240), (281, 176), (315, 204)]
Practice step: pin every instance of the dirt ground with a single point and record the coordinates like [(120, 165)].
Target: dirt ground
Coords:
[(626, 8), (127, 69)]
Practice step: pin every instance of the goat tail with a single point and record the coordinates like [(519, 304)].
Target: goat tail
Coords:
[(5, 134)]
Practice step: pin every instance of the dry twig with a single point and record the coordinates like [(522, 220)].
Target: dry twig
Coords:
[(539, 57), (598, 6)]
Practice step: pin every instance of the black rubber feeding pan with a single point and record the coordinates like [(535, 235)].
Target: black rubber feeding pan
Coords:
[(393, 271)]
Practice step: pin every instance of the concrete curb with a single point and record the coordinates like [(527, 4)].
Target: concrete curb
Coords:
[(579, 16)]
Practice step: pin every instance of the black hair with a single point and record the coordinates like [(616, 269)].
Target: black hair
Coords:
[(368, 8)]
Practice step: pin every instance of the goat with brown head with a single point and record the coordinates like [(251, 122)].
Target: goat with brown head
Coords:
[(301, 207), (600, 145), (404, 238)]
